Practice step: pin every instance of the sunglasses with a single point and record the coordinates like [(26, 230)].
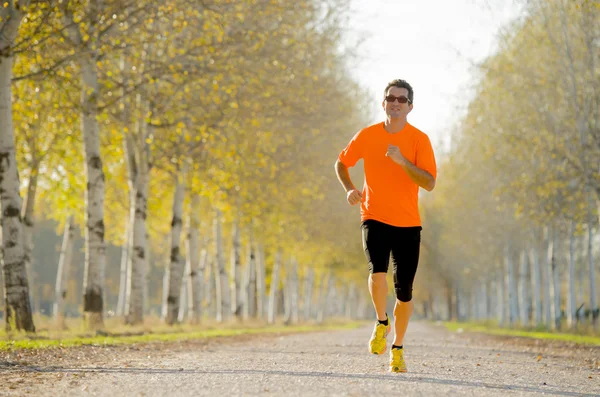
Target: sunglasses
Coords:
[(401, 99)]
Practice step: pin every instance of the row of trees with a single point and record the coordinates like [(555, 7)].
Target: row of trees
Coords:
[(512, 226), (221, 113)]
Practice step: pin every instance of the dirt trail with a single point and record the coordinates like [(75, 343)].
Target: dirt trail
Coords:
[(337, 363)]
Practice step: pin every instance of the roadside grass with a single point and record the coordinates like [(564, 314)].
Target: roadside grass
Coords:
[(493, 329), (116, 332)]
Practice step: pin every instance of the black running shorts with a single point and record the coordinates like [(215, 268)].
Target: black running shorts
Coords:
[(403, 243)]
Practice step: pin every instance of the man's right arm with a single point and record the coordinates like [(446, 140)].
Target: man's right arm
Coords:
[(352, 194)]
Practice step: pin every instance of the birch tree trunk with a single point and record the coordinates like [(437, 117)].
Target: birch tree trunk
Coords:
[(548, 278), (294, 295), (165, 294), (323, 292), (194, 257), (524, 283), (210, 286), (28, 222), (501, 291), (513, 312), (138, 258), (537, 281), (555, 282), (16, 286), (309, 281), (176, 265), (124, 271), (222, 282), (62, 274), (581, 278), (235, 263), (183, 294), (571, 301), (2, 307), (592, 270), (272, 312), (94, 198), (287, 293), (260, 282), (250, 283)]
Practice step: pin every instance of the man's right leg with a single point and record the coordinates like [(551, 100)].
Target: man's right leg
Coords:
[(377, 250), (379, 290)]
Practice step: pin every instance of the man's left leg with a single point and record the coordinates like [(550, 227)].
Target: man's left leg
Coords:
[(402, 313), (405, 259)]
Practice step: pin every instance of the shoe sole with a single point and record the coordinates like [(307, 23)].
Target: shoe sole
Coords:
[(389, 329), (379, 354), (397, 370)]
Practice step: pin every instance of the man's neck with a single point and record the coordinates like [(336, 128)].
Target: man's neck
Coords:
[(394, 125)]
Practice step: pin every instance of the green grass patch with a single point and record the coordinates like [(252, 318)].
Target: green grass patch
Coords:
[(25, 342), (492, 329)]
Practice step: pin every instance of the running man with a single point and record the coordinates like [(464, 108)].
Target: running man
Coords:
[(398, 159)]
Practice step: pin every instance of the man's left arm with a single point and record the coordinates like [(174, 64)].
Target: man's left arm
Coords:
[(418, 175)]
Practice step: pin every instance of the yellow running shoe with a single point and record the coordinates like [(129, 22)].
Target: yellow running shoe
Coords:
[(397, 363), (378, 341)]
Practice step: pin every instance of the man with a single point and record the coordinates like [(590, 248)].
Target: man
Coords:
[(398, 159)]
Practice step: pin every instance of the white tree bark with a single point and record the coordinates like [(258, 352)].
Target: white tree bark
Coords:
[(95, 249), (309, 281), (250, 283), (524, 283), (16, 286), (236, 275), (62, 274), (571, 297), (513, 313), (272, 312), (324, 288), (501, 293), (138, 257), (592, 270), (165, 294), (581, 279), (95, 255), (537, 281), (28, 222), (260, 282), (124, 271), (553, 317), (547, 252), (287, 292), (194, 258), (294, 286), (555, 283), (221, 279), (198, 287), (183, 300), (210, 286), (176, 263)]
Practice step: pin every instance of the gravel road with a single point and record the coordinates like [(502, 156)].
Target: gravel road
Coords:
[(334, 363)]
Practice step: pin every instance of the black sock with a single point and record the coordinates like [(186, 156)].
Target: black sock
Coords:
[(397, 347), (386, 321)]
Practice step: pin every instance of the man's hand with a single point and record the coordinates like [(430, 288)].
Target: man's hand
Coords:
[(394, 153), (354, 197)]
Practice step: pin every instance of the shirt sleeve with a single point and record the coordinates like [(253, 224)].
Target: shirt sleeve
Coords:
[(353, 152), (425, 157)]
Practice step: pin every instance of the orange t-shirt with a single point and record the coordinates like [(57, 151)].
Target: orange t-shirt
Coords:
[(389, 195)]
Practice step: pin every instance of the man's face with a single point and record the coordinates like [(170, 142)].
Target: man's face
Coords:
[(396, 109)]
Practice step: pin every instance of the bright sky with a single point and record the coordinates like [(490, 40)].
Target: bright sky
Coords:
[(432, 45)]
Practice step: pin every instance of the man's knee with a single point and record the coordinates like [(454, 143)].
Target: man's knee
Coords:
[(378, 280), (403, 294)]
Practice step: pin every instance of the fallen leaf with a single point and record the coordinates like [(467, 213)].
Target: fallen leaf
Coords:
[(539, 357)]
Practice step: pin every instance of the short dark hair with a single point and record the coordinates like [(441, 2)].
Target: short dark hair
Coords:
[(400, 84)]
